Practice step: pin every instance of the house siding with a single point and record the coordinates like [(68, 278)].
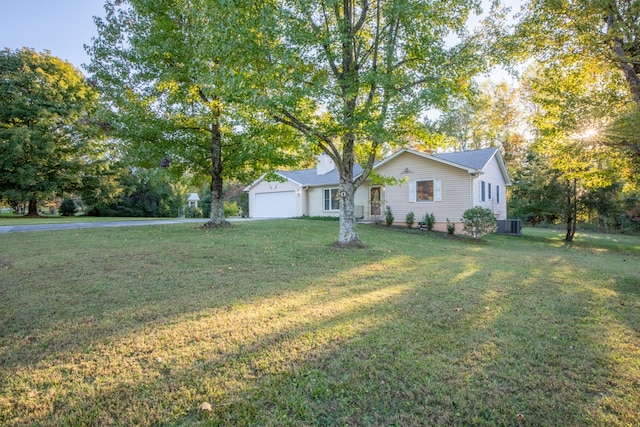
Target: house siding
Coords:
[(492, 175), (315, 200), (456, 188)]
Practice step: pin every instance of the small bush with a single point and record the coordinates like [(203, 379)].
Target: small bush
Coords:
[(451, 228), (388, 215), (68, 207), (429, 221), (193, 212), (231, 209), (410, 219), (478, 221)]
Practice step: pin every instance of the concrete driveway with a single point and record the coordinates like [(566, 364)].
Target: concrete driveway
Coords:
[(71, 226)]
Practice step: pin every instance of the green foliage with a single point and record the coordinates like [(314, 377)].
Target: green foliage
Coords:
[(388, 215), (410, 219), (46, 138), (193, 212), (600, 33), (143, 194), (233, 195), (180, 78), (586, 77), (572, 135), (451, 228), (68, 207), (428, 221), (537, 192), (230, 209), (478, 221), (490, 117), (354, 81)]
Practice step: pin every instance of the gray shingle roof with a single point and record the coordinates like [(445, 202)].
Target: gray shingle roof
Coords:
[(310, 176), (475, 159)]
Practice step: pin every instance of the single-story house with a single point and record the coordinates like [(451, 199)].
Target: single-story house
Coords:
[(444, 184)]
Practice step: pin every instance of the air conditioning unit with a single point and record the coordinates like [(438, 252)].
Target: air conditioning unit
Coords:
[(509, 226)]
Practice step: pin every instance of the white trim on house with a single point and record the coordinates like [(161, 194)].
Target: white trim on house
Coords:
[(426, 156)]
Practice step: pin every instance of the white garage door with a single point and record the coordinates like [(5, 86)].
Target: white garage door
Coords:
[(281, 204)]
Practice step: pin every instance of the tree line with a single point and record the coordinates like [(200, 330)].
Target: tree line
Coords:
[(198, 89)]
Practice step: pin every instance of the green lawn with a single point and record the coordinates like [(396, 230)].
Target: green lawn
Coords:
[(269, 324)]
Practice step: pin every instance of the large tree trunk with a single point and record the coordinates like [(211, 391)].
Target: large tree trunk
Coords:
[(625, 58), (33, 208), (216, 218), (349, 84), (348, 233)]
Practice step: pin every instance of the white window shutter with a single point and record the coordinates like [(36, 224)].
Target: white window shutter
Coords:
[(412, 191), (437, 190)]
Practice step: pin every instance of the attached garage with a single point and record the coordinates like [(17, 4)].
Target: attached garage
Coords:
[(281, 204)]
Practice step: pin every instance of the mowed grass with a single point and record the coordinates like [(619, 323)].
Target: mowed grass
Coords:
[(266, 323)]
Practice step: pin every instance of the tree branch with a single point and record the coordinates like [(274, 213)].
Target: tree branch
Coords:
[(323, 140), (326, 45), (363, 16), (374, 59)]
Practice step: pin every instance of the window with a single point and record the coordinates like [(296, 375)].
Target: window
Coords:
[(331, 199), (489, 190), (425, 190), (482, 191), (497, 194)]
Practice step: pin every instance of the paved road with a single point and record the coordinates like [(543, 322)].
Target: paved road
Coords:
[(74, 225)]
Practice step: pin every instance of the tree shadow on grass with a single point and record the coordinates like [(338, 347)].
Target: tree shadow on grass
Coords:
[(481, 354), (381, 339), (152, 381)]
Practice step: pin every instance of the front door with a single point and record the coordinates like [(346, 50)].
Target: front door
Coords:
[(375, 201)]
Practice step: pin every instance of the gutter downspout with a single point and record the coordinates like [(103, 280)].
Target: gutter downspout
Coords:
[(305, 200)]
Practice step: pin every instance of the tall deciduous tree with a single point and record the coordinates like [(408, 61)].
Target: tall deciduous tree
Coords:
[(44, 103), (571, 128), (175, 77), (492, 116), (562, 33), (354, 76)]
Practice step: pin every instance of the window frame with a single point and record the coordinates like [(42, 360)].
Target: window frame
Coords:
[(436, 190), (433, 191), (329, 200)]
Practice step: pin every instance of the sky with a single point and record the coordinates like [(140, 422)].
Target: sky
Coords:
[(60, 26)]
